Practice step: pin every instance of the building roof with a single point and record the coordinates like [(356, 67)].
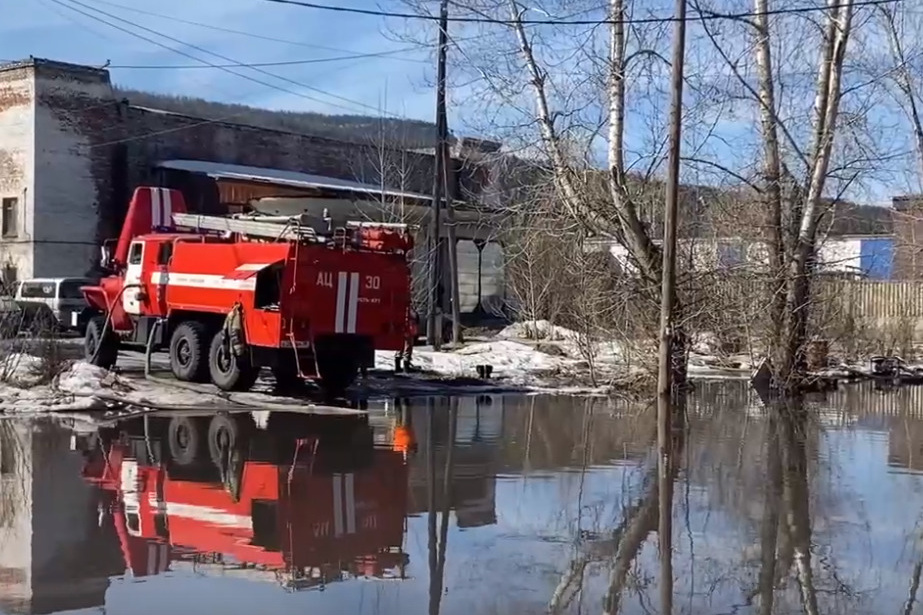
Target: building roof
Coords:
[(33, 62), (295, 179)]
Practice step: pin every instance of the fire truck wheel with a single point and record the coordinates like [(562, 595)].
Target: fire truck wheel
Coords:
[(101, 351), (228, 372), (189, 352), (183, 438), (224, 434)]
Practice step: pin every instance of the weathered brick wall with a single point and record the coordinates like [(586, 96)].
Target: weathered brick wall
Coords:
[(17, 163), (79, 195), (155, 135)]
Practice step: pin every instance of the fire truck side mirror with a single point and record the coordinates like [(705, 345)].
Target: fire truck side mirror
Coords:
[(105, 253)]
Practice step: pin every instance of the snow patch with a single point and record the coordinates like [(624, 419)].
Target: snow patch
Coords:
[(82, 379), (509, 359), (537, 330)]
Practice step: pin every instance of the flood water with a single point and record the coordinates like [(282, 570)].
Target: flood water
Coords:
[(469, 506)]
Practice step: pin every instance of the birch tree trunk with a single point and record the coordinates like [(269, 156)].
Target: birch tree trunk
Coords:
[(793, 271), (771, 179)]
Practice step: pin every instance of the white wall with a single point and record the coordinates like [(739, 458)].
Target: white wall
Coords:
[(17, 162), (835, 254), (840, 254), (493, 280)]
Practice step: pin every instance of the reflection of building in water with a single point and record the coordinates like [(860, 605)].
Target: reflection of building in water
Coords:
[(53, 554), (513, 435), (901, 412), (477, 441), (896, 410), (555, 433), (905, 444)]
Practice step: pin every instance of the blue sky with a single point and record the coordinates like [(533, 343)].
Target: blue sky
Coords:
[(396, 83)]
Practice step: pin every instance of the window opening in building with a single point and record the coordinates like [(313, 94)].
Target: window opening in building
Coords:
[(9, 217)]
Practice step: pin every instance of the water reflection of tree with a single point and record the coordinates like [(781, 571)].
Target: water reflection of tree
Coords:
[(795, 493), (786, 524), (638, 519), (437, 544), (15, 467), (760, 471)]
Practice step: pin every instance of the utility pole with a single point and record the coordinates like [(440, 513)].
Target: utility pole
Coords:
[(667, 372), (452, 238), (434, 336)]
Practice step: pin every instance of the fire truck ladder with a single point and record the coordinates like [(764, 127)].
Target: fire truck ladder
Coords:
[(282, 229)]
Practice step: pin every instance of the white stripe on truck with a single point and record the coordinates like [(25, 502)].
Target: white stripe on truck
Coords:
[(353, 302), (340, 322), (199, 280)]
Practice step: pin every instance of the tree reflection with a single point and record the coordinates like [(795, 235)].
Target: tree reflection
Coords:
[(644, 517), (571, 582), (437, 545), (769, 535), (785, 535), (914, 586), (796, 496)]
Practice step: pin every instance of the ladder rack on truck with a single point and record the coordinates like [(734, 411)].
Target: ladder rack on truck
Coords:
[(292, 231)]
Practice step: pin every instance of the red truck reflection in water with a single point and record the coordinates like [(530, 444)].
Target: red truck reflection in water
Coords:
[(279, 507)]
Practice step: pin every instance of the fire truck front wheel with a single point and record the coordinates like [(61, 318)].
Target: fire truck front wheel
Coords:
[(189, 352), (228, 372)]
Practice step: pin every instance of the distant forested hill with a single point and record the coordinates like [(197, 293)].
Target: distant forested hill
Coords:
[(357, 128)]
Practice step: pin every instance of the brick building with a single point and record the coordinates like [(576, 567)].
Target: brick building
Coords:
[(71, 152)]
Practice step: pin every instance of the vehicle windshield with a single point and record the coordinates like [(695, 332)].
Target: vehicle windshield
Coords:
[(70, 289)]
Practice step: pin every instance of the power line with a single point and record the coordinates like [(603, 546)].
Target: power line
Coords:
[(254, 35), (212, 64), (702, 16), (357, 56), (284, 41)]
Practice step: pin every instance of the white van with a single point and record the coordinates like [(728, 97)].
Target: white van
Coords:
[(51, 299)]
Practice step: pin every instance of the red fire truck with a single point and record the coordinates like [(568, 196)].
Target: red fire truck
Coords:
[(228, 295), (301, 509)]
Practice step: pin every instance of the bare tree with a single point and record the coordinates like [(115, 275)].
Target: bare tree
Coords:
[(398, 172), (903, 70), (794, 200), (588, 101), (528, 72)]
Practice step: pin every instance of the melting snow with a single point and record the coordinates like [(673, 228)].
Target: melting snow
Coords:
[(516, 357)]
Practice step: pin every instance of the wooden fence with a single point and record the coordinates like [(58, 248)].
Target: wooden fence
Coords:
[(861, 299), (873, 299)]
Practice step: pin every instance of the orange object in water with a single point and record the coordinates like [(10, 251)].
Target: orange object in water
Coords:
[(402, 440)]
